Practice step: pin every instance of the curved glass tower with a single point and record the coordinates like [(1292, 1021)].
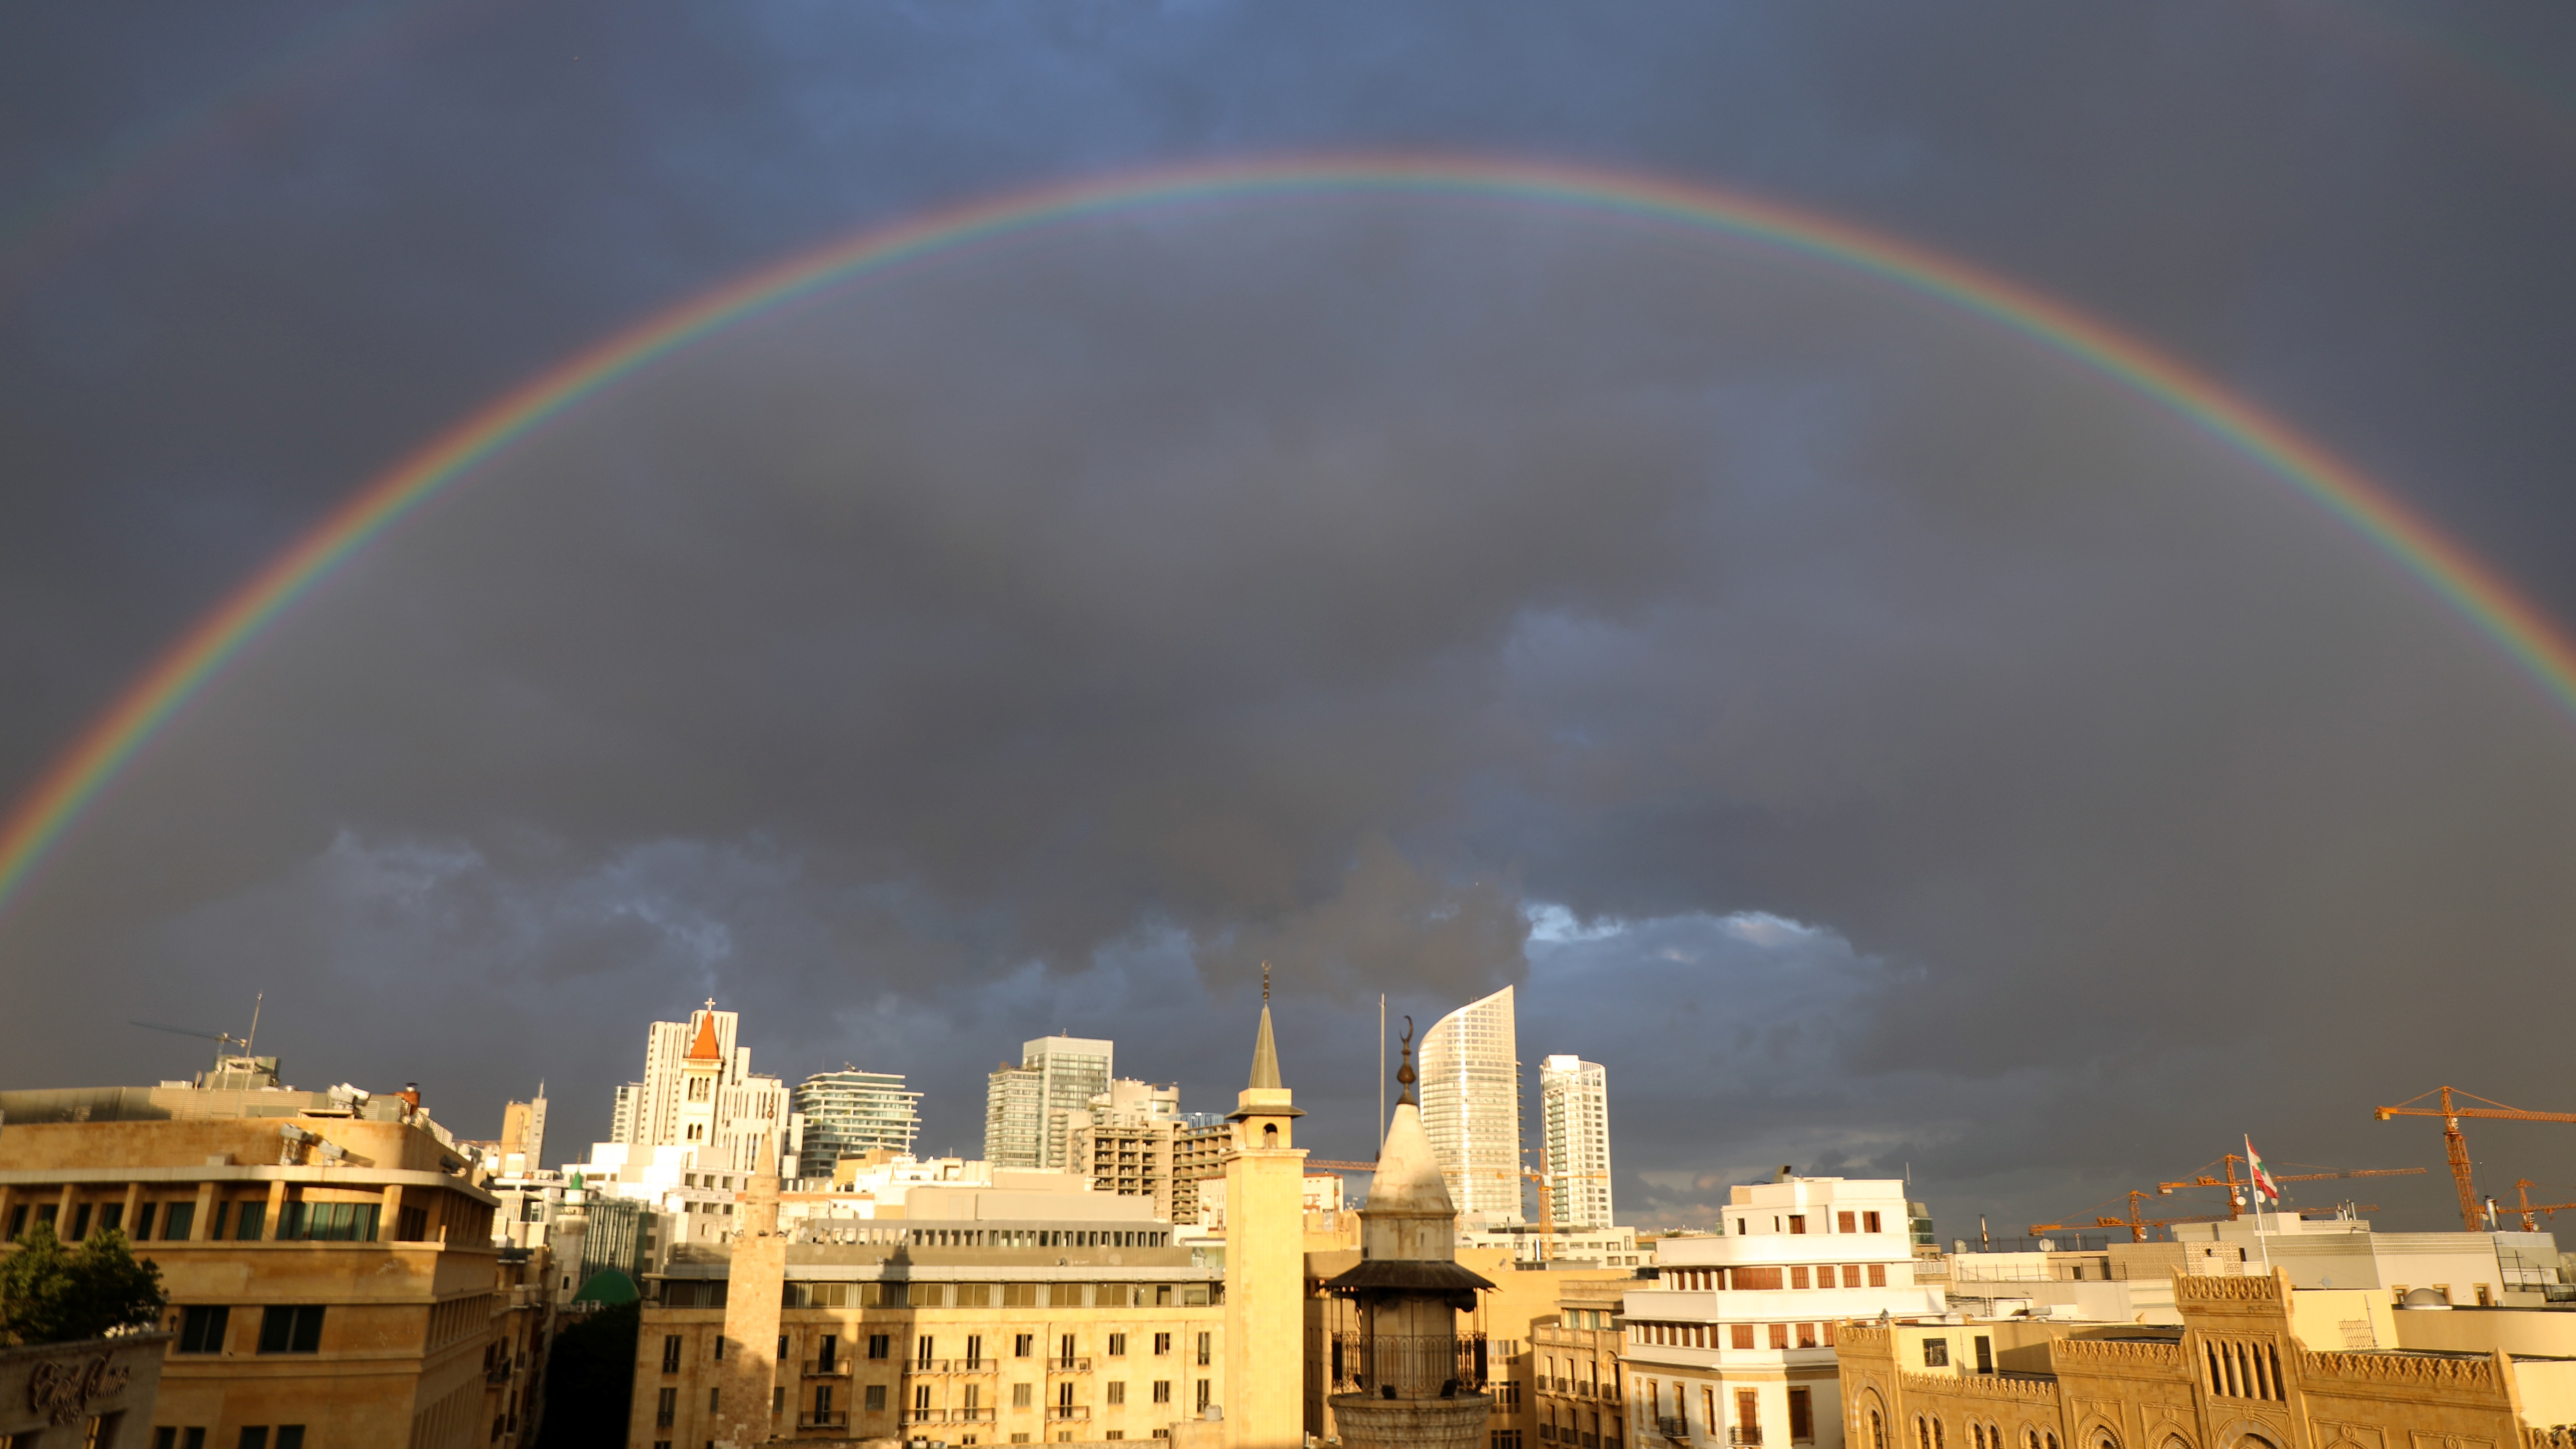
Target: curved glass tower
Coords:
[(1471, 1106)]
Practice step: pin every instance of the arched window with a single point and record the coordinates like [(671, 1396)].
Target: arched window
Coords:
[(1877, 1431), (1922, 1432), (1270, 1134), (1937, 1436)]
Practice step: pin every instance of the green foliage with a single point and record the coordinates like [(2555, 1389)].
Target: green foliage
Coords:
[(590, 1381), (53, 1294)]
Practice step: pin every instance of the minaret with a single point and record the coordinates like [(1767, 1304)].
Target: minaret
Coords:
[(757, 1280), (1414, 1390), (1265, 1259)]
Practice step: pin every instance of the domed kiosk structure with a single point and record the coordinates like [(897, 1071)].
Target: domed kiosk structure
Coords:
[(1413, 1390)]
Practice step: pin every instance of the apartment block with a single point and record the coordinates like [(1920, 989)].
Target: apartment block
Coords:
[(1734, 1341), (851, 1113), (1574, 1130), (1125, 1141), (328, 1256)]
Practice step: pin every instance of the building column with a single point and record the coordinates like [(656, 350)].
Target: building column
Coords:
[(276, 1209), (389, 1218), (133, 1204), (63, 1211), (8, 1200), (204, 1226)]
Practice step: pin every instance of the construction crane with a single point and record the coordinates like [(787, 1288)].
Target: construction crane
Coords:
[(2134, 1222), (2525, 1207), (2456, 1146), (1328, 1165), (2229, 1162)]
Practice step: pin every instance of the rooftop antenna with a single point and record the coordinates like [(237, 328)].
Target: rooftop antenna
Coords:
[(1381, 1074), (255, 1003)]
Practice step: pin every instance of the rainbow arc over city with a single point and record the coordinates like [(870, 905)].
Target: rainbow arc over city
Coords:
[(39, 820)]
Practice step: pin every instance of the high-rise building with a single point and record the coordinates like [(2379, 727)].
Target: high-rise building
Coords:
[(523, 1133), (621, 1115), (1029, 1109), (850, 1113), (1574, 1123), (699, 1092), (1471, 1107), (1125, 1141), (1014, 1117)]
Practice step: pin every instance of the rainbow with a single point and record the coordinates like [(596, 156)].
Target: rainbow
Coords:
[(76, 778)]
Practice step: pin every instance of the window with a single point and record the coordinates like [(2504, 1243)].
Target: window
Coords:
[(1846, 1222), (1118, 1346), (876, 1398), (1797, 1224), (879, 1345), (247, 1226), (974, 1348), (1064, 1350), (1203, 1394), (1869, 1222), (1162, 1345), (1779, 1335), (1806, 1335), (1878, 1275), (1851, 1275), (828, 1351), (1740, 1335), (1936, 1353), (1023, 1395), (1116, 1393), (177, 1223), (254, 1436), (1023, 1344), (921, 1349), (670, 1353), (1985, 1354), (80, 1224), (1748, 1414), (666, 1408), (295, 1328), (1064, 1395), (1507, 1439), (1162, 1391), (1802, 1416), (201, 1328), (1798, 1274), (920, 1399), (1203, 1348), (715, 1397)]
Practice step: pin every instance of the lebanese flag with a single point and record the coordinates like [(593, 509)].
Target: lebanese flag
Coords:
[(2262, 1175)]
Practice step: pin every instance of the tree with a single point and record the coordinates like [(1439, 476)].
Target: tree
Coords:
[(53, 1294), (590, 1381)]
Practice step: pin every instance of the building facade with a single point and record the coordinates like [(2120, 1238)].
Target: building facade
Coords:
[(1126, 1142), (328, 1257), (1734, 1341), (850, 1113), (2248, 1368), (699, 1092), (1029, 1109), (1574, 1127), (1471, 1107), (1579, 1397)]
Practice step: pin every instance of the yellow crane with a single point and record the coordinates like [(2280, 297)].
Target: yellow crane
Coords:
[(2229, 1162), (2454, 1144)]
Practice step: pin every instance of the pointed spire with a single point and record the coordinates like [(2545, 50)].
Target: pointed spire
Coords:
[(1265, 1052), (705, 1048)]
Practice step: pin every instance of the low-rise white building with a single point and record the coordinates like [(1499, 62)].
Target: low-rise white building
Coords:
[(1733, 1343)]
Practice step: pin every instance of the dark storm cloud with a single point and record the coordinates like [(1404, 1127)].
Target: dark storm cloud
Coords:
[(1912, 751)]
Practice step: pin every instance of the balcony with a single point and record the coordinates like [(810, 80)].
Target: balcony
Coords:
[(499, 1374), (826, 1419), (948, 1416), (831, 1368), (1064, 1412), (1744, 1434), (920, 1366), (1677, 1430), (1068, 1365), (1363, 1363)]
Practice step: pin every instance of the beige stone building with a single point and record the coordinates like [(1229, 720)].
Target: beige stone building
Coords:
[(1578, 1389), (992, 1325), (331, 1271), (1124, 1141), (2252, 1365), (95, 1392)]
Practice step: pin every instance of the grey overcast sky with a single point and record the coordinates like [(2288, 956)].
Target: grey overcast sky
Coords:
[(1884, 744)]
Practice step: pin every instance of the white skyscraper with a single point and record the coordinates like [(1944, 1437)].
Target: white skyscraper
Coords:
[(1028, 1109), (1471, 1106), (1574, 1122)]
